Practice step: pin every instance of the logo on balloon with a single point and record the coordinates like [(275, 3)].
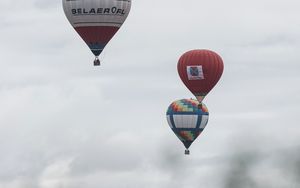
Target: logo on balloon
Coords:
[(195, 72), (98, 11)]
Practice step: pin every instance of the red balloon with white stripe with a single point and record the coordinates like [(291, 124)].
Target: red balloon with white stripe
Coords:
[(200, 70), (96, 21)]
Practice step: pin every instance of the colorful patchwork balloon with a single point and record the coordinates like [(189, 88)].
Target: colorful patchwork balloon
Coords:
[(187, 120)]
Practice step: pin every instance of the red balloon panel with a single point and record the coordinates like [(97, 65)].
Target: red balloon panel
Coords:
[(200, 70)]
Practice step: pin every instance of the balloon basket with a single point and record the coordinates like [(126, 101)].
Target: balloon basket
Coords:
[(187, 152), (96, 62)]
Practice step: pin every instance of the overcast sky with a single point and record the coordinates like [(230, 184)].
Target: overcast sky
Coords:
[(67, 124)]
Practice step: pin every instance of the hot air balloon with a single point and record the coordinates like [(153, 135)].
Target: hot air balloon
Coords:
[(96, 21), (200, 70), (187, 120)]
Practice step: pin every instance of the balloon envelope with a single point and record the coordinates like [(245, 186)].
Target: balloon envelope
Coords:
[(96, 21), (187, 120), (200, 70)]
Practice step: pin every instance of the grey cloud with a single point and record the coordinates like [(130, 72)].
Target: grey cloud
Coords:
[(256, 169), (239, 173), (277, 40), (47, 4)]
